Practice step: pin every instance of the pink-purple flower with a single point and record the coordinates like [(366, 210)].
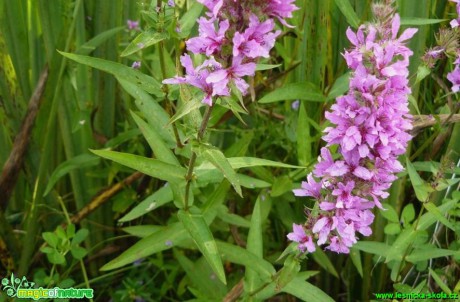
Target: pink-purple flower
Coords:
[(299, 235), (210, 40), (281, 9), (456, 22), (136, 65), (257, 39), (369, 125), (234, 34), (133, 25), (197, 77), (454, 76), (220, 78)]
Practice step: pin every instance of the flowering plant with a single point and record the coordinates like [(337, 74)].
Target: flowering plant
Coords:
[(370, 128), (232, 36), (454, 75)]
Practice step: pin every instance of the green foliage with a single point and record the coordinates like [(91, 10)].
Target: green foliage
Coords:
[(61, 242), (294, 91)]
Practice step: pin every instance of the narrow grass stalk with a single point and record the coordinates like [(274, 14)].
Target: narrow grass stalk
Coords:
[(48, 147)]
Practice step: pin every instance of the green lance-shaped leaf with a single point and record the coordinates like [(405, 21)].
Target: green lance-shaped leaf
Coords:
[(412, 21), (153, 167), (408, 214), (159, 241), (429, 218), (187, 107), (433, 209), (420, 187), (142, 231), (189, 19), (439, 281), (201, 234), (289, 271), (199, 274), (255, 246), (77, 162), (306, 291), (304, 139), (154, 201), (231, 218), (429, 253), (144, 40), (373, 247), (218, 159), (159, 140), (238, 255), (159, 147), (355, 256), (92, 44), (340, 86), (155, 115), (323, 260), (389, 213), (295, 91), (121, 71), (348, 11), (401, 244), (260, 67), (248, 162), (422, 72)]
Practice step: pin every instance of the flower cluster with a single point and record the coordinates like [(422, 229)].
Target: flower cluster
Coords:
[(369, 126), (454, 75), (456, 22), (232, 36)]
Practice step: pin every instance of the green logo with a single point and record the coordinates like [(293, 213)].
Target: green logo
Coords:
[(12, 285), (21, 288)]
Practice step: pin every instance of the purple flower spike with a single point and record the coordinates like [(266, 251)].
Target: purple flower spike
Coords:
[(454, 78), (456, 22), (233, 35), (454, 75), (370, 126)]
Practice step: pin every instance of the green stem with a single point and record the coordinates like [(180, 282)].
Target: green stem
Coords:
[(161, 52), (69, 222), (191, 164), (51, 274), (85, 276)]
